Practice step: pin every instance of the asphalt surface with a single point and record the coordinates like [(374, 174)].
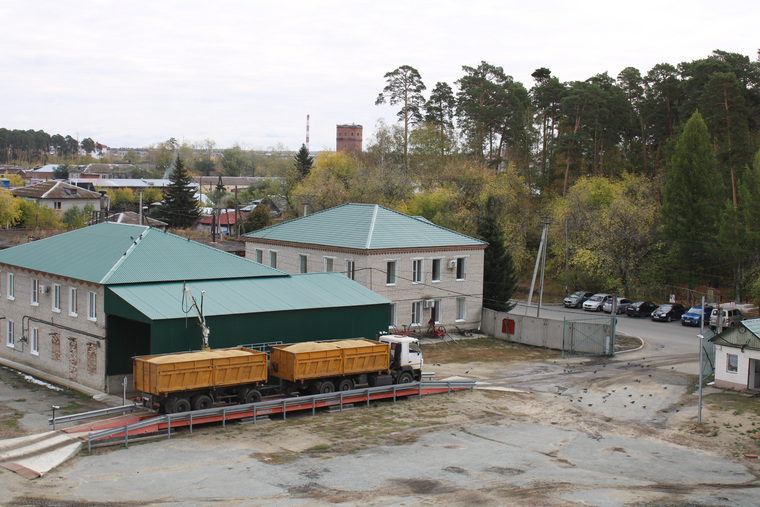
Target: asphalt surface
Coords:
[(597, 443)]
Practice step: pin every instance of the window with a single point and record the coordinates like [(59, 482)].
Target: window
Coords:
[(302, 263), (435, 311), (72, 302), (35, 341), (56, 298), (329, 263), (436, 270), (417, 312), (732, 365), (259, 255), (461, 268), (57, 205), (392, 314), (390, 273), (11, 287), (9, 339), (350, 269), (273, 258), (460, 309), (35, 291), (92, 309), (417, 271)]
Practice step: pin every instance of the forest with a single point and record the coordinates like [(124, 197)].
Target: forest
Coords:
[(649, 181)]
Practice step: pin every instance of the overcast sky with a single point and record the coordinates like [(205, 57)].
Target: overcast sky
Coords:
[(248, 72)]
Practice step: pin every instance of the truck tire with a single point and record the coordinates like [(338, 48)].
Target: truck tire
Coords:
[(405, 378), (346, 384), (326, 387), (252, 396), (202, 401), (181, 404)]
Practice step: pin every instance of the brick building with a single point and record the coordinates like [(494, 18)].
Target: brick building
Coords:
[(349, 138)]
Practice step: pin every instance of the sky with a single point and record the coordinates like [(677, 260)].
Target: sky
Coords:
[(247, 73)]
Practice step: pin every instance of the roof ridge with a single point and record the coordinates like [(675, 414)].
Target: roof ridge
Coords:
[(371, 231), (124, 257), (45, 194)]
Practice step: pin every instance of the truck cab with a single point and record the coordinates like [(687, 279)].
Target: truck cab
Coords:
[(406, 355)]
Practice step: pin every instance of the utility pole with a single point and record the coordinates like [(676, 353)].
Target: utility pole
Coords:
[(540, 256)]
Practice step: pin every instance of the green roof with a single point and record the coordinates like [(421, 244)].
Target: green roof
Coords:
[(111, 253), (365, 227), (746, 334), (161, 301)]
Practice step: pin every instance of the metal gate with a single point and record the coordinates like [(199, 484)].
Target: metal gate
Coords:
[(593, 336), (708, 354)]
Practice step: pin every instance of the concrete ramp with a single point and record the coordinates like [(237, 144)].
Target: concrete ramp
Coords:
[(34, 455)]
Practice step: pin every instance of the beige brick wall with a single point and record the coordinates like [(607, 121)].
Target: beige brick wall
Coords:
[(69, 346), (370, 271)]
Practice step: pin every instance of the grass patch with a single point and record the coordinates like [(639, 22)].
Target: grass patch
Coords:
[(731, 402), (483, 350)]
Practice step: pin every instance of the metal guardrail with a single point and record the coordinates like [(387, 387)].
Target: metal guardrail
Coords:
[(266, 407), (89, 415)]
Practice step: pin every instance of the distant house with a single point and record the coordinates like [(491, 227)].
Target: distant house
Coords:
[(39, 174), (61, 196), (427, 271), (737, 357), (130, 217), (225, 224)]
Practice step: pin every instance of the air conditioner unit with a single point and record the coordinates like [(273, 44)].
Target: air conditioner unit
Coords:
[(44, 289), (428, 303), (452, 263)]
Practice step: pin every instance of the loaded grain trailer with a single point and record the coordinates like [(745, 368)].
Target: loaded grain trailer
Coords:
[(195, 380), (326, 366)]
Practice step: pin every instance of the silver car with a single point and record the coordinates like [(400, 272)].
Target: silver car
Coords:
[(594, 304), (622, 304), (730, 317)]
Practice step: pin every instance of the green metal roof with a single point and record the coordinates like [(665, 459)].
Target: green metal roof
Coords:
[(159, 301), (111, 253), (364, 227), (745, 335)]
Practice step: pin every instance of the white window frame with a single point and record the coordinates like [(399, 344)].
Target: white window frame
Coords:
[(390, 272), (35, 292), (92, 306), (34, 341), (417, 313), (350, 269), (73, 302), (11, 286), (461, 309), (303, 263), (258, 255), (435, 274), (729, 367), (10, 340), (436, 311), (417, 270), (461, 268), (273, 259), (329, 264), (57, 297)]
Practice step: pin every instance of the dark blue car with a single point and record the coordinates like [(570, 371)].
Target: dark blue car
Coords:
[(691, 318)]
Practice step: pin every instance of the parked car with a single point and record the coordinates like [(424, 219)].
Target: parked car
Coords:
[(595, 302), (695, 313), (576, 299), (729, 319), (622, 304), (640, 309), (668, 312)]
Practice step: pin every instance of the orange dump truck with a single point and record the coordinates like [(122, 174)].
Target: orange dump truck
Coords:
[(195, 380), (327, 366)]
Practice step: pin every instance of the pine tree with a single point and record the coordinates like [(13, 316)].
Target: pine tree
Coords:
[(692, 201), (499, 278), (180, 208), (303, 162)]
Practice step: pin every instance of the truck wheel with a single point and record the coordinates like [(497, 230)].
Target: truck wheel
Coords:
[(252, 396), (346, 384), (405, 378), (326, 387), (181, 405), (202, 401)]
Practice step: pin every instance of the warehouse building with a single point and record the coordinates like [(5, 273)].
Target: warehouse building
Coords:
[(80, 305)]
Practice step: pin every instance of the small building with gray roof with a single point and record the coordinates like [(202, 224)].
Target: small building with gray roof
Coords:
[(427, 271), (81, 304), (737, 357)]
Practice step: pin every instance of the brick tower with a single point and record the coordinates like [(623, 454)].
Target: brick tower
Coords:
[(349, 138)]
